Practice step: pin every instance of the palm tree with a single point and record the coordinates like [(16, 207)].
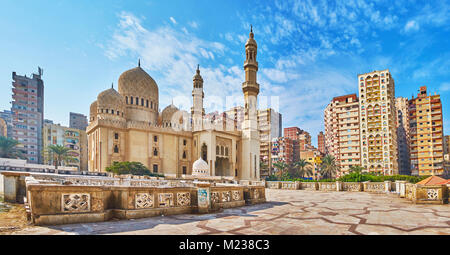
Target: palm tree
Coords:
[(302, 168), (328, 167), (59, 154), (282, 167), (356, 169), (8, 148)]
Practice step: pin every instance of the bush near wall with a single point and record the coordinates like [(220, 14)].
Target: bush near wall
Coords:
[(134, 168), (358, 177)]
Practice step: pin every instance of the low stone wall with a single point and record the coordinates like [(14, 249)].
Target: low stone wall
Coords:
[(309, 185), (273, 184), (52, 204), (327, 186), (289, 185), (375, 187), (352, 186), (431, 194)]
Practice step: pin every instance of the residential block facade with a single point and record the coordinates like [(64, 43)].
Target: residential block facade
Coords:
[(403, 138), (378, 122), (270, 126), (426, 130), (342, 132), (28, 112)]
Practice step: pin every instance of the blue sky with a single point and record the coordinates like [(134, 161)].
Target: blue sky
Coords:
[(308, 51)]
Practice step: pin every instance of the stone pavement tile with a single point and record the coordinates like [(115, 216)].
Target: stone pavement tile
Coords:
[(403, 219)]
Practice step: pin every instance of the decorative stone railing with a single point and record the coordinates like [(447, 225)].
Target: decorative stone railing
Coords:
[(289, 185), (53, 203), (273, 184), (377, 187), (430, 194), (352, 186), (309, 185), (327, 186)]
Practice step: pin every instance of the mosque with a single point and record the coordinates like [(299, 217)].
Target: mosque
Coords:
[(126, 125)]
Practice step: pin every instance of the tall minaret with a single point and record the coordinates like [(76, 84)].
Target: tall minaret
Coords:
[(250, 133), (197, 111)]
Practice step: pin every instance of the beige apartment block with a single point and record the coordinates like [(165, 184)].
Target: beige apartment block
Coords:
[(126, 125), (378, 122), (72, 138), (425, 119), (403, 138), (269, 124), (342, 134)]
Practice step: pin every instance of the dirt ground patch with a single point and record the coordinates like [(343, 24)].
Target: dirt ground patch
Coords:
[(13, 220)]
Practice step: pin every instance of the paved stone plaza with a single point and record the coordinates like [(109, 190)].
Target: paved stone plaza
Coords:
[(287, 212)]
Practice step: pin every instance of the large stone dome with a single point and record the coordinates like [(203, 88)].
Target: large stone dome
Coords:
[(140, 92), (110, 102), (93, 111), (138, 83), (168, 112), (200, 168)]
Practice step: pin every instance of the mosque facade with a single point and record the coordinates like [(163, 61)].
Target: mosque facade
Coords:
[(126, 125)]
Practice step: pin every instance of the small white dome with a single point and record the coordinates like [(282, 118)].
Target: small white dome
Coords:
[(200, 167)]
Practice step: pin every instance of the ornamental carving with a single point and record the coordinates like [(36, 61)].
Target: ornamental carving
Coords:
[(76, 202), (432, 194), (226, 196), (215, 197), (184, 199), (165, 199), (236, 195), (143, 200), (256, 194)]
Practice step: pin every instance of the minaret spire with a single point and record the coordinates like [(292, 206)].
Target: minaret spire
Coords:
[(139, 63), (112, 85)]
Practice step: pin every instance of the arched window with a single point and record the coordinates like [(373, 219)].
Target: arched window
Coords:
[(131, 100), (146, 103), (184, 154), (155, 152), (217, 150), (204, 152), (137, 100), (142, 101), (116, 149), (126, 99)]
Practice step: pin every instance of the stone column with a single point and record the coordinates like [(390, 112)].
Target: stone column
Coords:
[(204, 197), (338, 186), (397, 187), (387, 186), (402, 188), (365, 185)]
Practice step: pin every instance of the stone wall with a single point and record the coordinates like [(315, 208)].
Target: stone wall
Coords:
[(52, 203), (420, 194)]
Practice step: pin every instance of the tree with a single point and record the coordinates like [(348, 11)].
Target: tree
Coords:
[(134, 168), (8, 148), (302, 168), (356, 169), (282, 168), (328, 167), (59, 154)]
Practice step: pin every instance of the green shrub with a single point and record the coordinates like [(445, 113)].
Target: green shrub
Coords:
[(134, 168)]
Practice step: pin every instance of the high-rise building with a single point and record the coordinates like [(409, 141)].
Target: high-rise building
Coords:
[(282, 150), (426, 130), (314, 157), (447, 144), (342, 133), (6, 124), (270, 126), (300, 139), (321, 142), (378, 122), (28, 114), (404, 163), (73, 138), (78, 121)]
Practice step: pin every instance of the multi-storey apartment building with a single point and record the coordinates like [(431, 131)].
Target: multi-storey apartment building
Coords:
[(78, 121), (378, 122), (314, 157), (426, 130), (270, 126), (282, 150), (446, 144), (404, 163), (28, 113), (6, 124), (321, 142), (342, 133), (300, 138), (73, 138)]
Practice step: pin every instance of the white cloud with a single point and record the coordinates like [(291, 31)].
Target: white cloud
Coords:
[(411, 25), (173, 20), (193, 24)]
